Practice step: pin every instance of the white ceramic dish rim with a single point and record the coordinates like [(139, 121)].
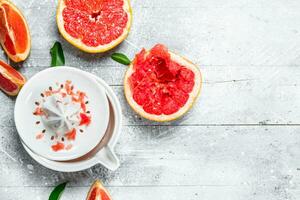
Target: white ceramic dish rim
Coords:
[(64, 156), (85, 164)]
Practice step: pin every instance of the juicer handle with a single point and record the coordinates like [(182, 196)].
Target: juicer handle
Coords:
[(108, 158)]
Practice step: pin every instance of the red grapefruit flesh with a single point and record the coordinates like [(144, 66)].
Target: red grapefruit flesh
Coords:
[(11, 80), (58, 146), (85, 119), (161, 85), (14, 33), (98, 192), (71, 135), (94, 25)]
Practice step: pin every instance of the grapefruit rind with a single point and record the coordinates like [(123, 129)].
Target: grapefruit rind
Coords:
[(165, 118), (19, 56), (77, 41)]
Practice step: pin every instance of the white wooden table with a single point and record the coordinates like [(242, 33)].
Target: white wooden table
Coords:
[(240, 142)]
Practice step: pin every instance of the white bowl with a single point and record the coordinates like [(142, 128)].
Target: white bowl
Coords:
[(26, 122), (105, 156)]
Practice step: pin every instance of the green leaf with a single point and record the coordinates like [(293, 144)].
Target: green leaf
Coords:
[(120, 58), (56, 193), (57, 54)]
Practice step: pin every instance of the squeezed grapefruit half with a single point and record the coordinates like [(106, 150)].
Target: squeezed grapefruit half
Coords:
[(161, 85)]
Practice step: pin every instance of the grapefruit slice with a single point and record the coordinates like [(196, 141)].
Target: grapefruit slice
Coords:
[(98, 192), (11, 80), (14, 32), (94, 25), (161, 85)]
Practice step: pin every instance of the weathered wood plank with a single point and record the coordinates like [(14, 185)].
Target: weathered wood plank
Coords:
[(231, 95), (258, 161), (243, 33), (145, 193)]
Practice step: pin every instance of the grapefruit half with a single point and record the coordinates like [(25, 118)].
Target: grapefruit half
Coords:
[(161, 85), (14, 32), (11, 81), (98, 192), (94, 26)]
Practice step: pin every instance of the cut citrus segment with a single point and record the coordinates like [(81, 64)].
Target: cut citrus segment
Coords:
[(14, 32), (11, 80), (161, 85), (98, 192), (94, 25)]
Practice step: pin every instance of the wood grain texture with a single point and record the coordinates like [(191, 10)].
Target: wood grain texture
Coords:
[(231, 96), (241, 140), (253, 161)]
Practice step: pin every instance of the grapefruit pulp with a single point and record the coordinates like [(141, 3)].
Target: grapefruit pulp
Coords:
[(11, 80), (14, 32), (161, 85), (94, 25), (98, 192)]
